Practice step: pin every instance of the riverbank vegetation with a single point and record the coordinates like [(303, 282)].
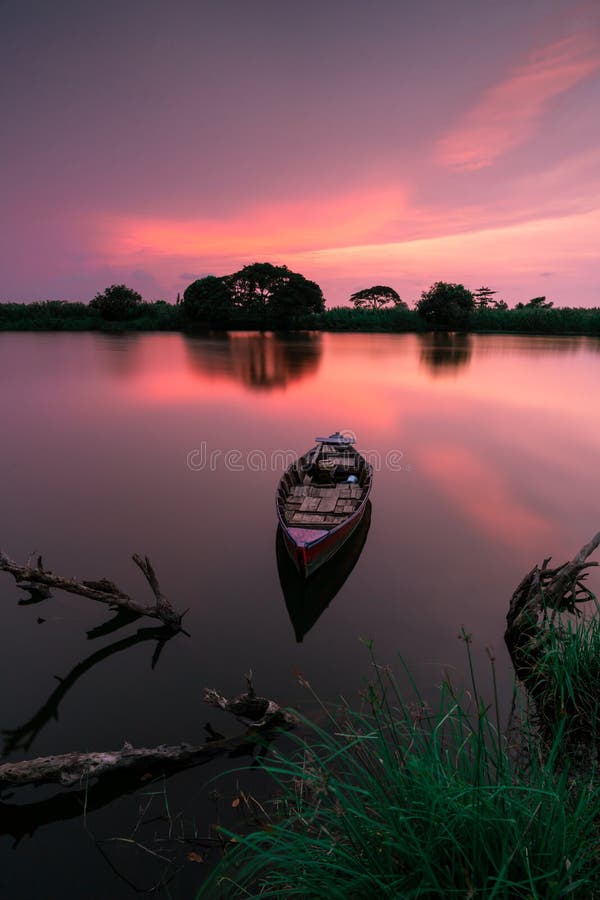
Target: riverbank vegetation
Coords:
[(397, 800), (402, 801), (261, 296), (394, 799)]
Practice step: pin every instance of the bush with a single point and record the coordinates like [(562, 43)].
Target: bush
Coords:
[(345, 318), (117, 303), (47, 315)]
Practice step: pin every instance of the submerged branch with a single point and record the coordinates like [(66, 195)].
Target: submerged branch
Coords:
[(38, 579)]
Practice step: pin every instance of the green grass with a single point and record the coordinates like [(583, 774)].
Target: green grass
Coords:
[(395, 801), (565, 677)]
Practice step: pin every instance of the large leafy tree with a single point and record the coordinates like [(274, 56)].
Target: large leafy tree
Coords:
[(446, 305), (294, 300), (253, 286), (377, 296), (208, 300), (267, 291), (117, 302)]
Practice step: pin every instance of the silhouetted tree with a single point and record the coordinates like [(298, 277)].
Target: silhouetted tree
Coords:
[(294, 300), (117, 302), (483, 297), (377, 296), (267, 291), (536, 303), (446, 305), (208, 300)]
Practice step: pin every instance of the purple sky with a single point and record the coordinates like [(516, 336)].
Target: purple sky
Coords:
[(359, 143)]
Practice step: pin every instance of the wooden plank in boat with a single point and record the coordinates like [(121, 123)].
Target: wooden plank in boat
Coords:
[(324, 490), (300, 490), (310, 504), (327, 504), (307, 519)]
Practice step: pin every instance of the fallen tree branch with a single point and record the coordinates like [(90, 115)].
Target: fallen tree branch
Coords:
[(69, 769), (38, 579), (21, 819)]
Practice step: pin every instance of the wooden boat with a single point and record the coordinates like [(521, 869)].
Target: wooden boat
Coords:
[(321, 499), (307, 599)]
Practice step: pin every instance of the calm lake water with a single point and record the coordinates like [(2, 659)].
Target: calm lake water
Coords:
[(487, 454)]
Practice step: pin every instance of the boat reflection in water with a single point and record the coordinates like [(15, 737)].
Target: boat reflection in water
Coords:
[(307, 598)]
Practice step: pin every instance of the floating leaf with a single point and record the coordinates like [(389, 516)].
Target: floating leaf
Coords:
[(195, 857)]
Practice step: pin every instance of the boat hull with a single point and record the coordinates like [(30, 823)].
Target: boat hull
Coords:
[(307, 598), (311, 548)]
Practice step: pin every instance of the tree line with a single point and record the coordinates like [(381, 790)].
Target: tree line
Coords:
[(266, 296)]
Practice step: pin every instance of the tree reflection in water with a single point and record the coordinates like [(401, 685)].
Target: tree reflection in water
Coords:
[(445, 352), (260, 360)]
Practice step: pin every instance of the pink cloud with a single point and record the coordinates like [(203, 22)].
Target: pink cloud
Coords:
[(278, 226), (509, 112)]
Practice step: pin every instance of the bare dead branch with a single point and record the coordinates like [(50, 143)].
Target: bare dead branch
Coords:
[(40, 580)]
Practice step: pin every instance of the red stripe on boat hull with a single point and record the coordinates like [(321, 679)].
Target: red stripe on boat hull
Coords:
[(309, 554)]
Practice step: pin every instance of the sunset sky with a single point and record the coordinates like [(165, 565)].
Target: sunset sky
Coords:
[(392, 141)]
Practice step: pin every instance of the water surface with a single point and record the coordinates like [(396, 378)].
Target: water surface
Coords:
[(487, 453)]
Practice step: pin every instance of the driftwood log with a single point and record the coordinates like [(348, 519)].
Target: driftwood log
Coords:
[(559, 589), (39, 580), (21, 819), (79, 769), (266, 718)]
